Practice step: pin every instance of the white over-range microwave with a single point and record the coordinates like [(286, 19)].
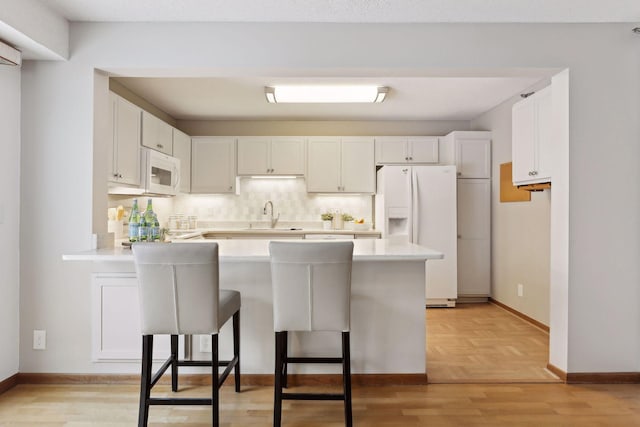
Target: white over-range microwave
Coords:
[(159, 173)]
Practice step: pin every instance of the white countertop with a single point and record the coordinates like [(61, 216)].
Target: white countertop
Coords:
[(258, 250)]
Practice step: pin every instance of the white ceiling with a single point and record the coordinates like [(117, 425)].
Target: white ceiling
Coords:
[(411, 98), (348, 10)]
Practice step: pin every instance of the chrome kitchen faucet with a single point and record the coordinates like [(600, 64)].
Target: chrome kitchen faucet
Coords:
[(264, 211)]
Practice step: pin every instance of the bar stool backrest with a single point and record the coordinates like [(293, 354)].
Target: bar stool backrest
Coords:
[(178, 287), (311, 284)]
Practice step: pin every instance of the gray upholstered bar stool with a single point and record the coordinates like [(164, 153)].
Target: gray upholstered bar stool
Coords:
[(311, 284), (179, 294)]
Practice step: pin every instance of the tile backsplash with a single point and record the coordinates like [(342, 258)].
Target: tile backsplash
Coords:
[(289, 197)]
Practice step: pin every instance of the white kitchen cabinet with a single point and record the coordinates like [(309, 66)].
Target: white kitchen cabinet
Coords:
[(124, 150), (182, 151), (271, 155), (470, 151), (116, 320), (532, 138), (213, 164), (157, 134), (406, 150), (474, 238), (340, 165)]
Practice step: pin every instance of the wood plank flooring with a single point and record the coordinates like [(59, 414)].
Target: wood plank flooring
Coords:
[(433, 405), (472, 343), (478, 343)]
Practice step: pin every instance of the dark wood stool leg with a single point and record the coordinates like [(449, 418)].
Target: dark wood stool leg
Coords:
[(236, 349), (215, 387), (174, 363), (346, 378), (277, 391), (285, 350), (145, 380)]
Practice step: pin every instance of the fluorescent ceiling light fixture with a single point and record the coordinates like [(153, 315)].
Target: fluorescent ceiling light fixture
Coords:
[(325, 94)]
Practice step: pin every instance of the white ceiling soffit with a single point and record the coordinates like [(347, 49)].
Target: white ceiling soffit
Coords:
[(412, 98), (355, 11)]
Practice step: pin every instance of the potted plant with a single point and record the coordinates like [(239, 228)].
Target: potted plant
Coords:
[(326, 217), (348, 221)]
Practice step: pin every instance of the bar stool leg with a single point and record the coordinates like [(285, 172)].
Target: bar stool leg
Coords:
[(346, 378), (285, 350), (277, 392), (174, 363), (215, 387), (236, 349), (145, 380)]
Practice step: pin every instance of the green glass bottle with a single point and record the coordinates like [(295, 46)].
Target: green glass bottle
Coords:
[(143, 230), (146, 223), (134, 222)]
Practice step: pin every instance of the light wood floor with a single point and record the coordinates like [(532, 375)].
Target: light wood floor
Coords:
[(478, 343), (433, 405)]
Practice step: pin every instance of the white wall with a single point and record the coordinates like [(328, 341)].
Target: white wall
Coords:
[(9, 220), (604, 60), (520, 231)]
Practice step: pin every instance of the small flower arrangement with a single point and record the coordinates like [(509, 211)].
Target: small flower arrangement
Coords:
[(327, 216), (346, 217)]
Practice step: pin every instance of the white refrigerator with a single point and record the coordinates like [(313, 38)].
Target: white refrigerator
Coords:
[(418, 204)]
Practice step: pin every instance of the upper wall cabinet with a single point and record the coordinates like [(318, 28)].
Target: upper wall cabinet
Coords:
[(124, 150), (470, 151), (213, 164), (532, 138), (402, 149), (182, 150), (271, 155), (156, 134), (340, 165)]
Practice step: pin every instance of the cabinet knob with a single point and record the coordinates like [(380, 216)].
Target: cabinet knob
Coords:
[(119, 175), (115, 175), (459, 174), (534, 173), (459, 236), (410, 158), (159, 145), (231, 187), (406, 158)]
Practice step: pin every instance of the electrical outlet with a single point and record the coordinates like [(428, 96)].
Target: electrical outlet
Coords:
[(520, 289), (39, 339), (205, 344)]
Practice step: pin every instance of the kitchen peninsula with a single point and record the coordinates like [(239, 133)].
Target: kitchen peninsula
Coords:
[(387, 308)]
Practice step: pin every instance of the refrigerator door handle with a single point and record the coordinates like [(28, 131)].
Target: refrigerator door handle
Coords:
[(415, 209)]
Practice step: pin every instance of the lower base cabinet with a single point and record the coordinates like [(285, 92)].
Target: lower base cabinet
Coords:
[(116, 320)]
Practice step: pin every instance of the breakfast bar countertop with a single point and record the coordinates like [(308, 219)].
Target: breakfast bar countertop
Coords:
[(258, 250)]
